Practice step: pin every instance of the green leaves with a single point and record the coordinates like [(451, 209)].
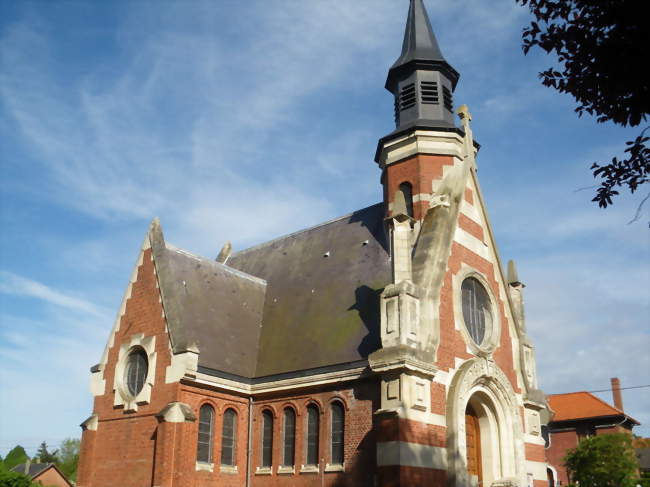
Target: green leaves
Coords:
[(603, 461)]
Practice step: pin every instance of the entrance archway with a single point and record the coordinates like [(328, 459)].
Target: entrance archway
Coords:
[(483, 427)]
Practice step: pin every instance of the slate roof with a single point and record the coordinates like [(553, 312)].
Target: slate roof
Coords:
[(322, 297), (210, 306), (33, 470), (303, 301), (582, 405)]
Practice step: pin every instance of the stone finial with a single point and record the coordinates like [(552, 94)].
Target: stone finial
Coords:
[(223, 256), (513, 278), (463, 113)]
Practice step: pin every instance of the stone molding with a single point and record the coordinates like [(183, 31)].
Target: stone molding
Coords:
[(91, 423), (493, 335), (482, 381), (176, 412), (122, 396), (421, 142)]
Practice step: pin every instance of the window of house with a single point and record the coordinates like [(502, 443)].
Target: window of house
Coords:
[(407, 193), (137, 367), (228, 435), (267, 438), (289, 438), (336, 438), (312, 434), (476, 309), (206, 427)]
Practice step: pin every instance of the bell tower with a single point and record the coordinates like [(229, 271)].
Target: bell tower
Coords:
[(413, 157)]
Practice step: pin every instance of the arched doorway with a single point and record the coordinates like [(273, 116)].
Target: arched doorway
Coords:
[(484, 428)]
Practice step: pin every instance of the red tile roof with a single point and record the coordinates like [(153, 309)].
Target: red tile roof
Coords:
[(582, 405)]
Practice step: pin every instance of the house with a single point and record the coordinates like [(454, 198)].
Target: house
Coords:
[(578, 415), (46, 474), (386, 347)]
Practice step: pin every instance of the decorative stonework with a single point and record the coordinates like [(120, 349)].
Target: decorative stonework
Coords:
[(122, 395), (482, 383), (400, 315), (493, 331)]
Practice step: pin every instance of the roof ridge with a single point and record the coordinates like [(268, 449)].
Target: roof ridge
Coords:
[(282, 237), (225, 267)]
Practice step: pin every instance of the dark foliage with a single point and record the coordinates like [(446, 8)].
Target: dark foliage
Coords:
[(601, 47), (15, 457), (603, 461), (44, 456)]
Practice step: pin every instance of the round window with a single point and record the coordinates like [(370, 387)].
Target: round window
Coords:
[(476, 309), (137, 367)]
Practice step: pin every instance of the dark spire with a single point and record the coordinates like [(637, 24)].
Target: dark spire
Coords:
[(421, 78), (419, 41)]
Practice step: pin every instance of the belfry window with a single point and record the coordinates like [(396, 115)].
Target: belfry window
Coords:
[(476, 309), (406, 192), (312, 434), (336, 437), (228, 437), (289, 438), (267, 438), (137, 368), (446, 98), (206, 427), (429, 92)]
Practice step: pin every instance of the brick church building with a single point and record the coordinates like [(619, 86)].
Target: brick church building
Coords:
[(385, 348)]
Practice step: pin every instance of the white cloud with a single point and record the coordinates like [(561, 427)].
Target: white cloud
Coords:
[(21, 286)]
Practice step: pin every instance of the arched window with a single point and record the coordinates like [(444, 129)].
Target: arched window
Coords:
[(137, 368), (407, 193), (476, 309), (228, 435), (312, 434), (267, 438), (338, 426), (289, 438), (206, 427)]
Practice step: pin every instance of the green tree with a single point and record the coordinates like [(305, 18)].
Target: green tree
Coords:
[(15, 457), (44, 456), (600, 46), (68, 457), (603, 461)]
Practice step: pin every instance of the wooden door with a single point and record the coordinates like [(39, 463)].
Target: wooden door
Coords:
[(473, 437)]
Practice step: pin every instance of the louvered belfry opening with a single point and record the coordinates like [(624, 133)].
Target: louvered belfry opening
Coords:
[(429, 92)]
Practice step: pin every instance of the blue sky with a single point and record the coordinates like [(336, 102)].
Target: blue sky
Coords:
[(244, 121)]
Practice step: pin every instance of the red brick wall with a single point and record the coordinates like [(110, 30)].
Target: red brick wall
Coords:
[(123, 450), (419, 171), (52, 478), (359, 404), (560, 443)]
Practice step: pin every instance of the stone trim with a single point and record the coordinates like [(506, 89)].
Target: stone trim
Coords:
[(91, 423), (122, 395), (176, 412), (421, 142), (483, 382), (401, 453), (493, 335)]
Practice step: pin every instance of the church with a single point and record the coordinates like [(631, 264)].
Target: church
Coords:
[(383, 348)]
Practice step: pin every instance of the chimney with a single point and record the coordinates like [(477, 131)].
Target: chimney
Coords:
[(616, 393)]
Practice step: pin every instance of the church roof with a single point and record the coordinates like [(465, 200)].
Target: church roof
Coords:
[(581, 405), (322, 296), (303, 301)]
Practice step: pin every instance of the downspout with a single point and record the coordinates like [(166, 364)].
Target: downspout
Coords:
[(250, 441)]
